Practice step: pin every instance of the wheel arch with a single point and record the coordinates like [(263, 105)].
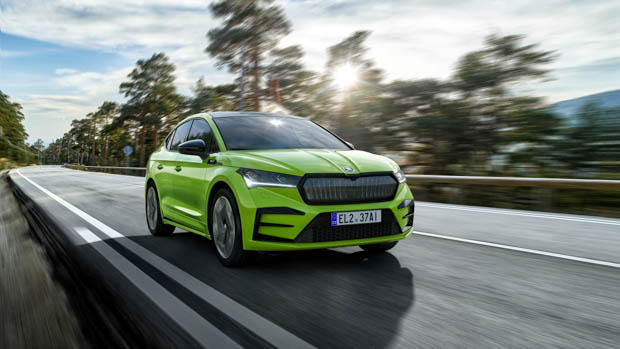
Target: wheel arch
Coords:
[(150, 181), (219, 184)]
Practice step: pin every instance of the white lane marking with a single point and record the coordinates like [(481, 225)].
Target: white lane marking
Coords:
[(87, 235), (520, 249), (262, 327), (196, 326), (513, 213)]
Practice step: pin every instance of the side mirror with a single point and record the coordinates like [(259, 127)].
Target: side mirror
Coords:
[(193, 147), (350, 145)]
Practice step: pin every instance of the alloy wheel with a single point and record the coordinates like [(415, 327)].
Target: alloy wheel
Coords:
[(223, 227), (151, 208)]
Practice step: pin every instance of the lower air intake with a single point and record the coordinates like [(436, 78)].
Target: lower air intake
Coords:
[(321, 230)]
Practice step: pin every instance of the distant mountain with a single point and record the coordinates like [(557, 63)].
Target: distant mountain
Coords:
[(569, 108)]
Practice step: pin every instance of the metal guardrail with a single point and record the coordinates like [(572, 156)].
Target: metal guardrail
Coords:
[(563, 183), (136, 171)]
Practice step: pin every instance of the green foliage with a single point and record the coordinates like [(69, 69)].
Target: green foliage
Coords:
[(211, 98), (12, 133), (503, 61), (475, 123), (289, 84), (152, 100), (591, 148)]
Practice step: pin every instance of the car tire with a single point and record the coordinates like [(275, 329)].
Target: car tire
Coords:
[(153, 213), (224, 221), (377, 248)]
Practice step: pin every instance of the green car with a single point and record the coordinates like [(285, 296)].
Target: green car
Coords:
[(264, 182)]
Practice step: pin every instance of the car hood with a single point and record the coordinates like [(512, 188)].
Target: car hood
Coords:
[(302, 161)]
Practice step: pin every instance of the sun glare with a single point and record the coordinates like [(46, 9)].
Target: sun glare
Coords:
[(345, 76)]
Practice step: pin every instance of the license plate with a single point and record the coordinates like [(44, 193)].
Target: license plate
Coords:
[(356, 217)]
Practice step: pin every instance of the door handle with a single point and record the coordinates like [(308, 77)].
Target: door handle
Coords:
[(160, 167), (178, 168)]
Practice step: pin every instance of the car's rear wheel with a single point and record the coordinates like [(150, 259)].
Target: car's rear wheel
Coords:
[(153, 214), (226, 230), (381, 247)]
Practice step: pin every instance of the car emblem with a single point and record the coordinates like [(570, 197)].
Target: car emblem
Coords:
[(348, 169)]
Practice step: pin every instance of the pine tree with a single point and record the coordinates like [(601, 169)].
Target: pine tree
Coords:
[(250, 29), (152, 99), (13, 134)]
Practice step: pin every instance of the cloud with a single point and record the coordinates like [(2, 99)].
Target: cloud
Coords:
[(65, 71), (107, 25), (411, 39), (48, 116), (13, 53), (417, 39)]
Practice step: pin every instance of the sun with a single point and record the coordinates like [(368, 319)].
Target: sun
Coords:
[(345, 76)]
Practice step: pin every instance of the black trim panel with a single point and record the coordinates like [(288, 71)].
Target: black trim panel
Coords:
[(280, 210), (409, 216), (263, 224), (272, 210), (405, 203)]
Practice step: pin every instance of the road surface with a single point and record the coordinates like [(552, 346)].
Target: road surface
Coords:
[(471, 277)]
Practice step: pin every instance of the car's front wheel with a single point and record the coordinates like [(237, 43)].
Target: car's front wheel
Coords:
[(226, 230), (381, 247), (153, 214)]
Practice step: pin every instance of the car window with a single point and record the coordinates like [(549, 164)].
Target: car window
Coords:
[(201, 130), (214, 147), (263, 132), (169, 139), (180, 135)]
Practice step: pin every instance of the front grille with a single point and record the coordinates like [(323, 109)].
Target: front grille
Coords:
[(321, 230), (327, 189)]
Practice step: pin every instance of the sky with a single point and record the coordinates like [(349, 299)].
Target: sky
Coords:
[(61, 59)]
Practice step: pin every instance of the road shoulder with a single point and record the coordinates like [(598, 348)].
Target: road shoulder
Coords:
[(35, 312)]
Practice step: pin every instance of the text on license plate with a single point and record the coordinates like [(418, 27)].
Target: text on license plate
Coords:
[(356, 217)]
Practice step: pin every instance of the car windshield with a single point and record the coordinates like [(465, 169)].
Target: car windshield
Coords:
[(267, 132)]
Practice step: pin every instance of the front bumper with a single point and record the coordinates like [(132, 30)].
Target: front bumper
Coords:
[(277, 219)]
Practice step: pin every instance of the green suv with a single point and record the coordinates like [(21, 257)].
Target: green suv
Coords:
[(264, 182)]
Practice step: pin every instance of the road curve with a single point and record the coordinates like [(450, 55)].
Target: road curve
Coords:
[(428, 292)]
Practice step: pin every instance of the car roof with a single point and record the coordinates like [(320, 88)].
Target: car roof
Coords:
[(224, 114)]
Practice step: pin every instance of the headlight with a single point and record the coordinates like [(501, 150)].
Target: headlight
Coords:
[(256, 178), (400, 176)]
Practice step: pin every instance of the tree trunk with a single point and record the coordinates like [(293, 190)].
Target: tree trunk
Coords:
[(142, 150), (136, 146), (155, 136), (105, 148), (255, 81), (93, 152)]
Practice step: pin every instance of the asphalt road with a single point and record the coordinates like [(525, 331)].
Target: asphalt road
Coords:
[(428, 292)]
